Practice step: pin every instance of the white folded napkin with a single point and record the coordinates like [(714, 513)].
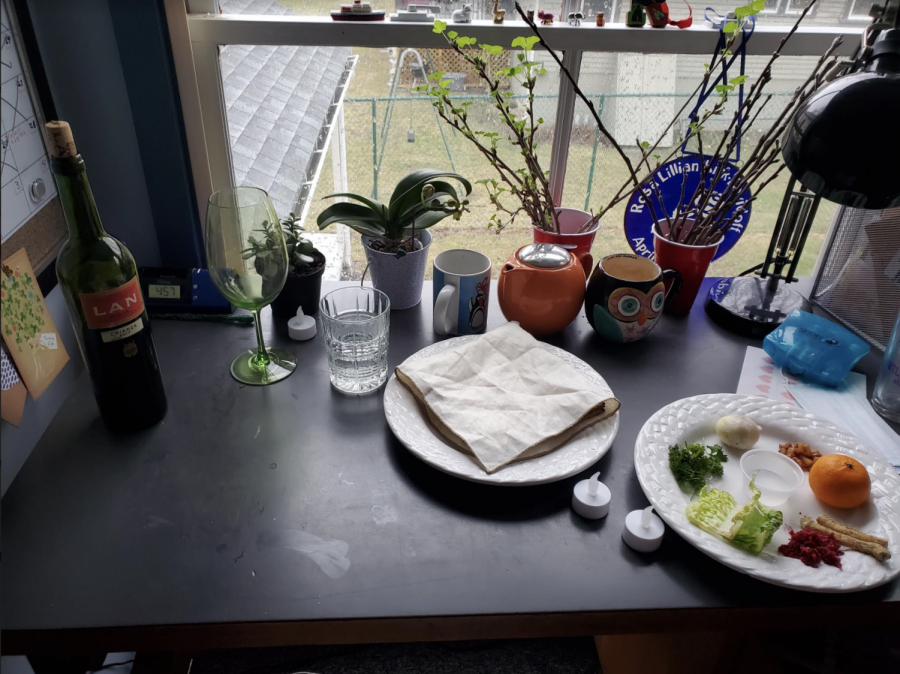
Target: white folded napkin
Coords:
[(504, 398)]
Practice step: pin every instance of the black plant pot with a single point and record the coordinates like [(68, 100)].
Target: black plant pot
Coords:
[(300, 291)]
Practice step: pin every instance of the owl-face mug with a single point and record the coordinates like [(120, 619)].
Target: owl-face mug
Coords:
[(626, 295)]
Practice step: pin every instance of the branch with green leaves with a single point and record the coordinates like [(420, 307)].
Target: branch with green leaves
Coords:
[(526, 185)]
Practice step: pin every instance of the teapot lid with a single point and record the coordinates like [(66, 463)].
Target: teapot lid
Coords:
[(544, 255)]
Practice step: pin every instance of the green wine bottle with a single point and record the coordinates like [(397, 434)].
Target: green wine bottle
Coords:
[(103, 294)]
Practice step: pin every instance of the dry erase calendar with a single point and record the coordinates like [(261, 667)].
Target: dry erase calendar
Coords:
[(26, 184)]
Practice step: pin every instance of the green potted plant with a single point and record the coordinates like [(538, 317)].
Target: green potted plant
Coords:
[(306, 265), (395, 236)]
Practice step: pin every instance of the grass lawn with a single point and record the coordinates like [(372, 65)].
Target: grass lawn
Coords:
[(372, 79)]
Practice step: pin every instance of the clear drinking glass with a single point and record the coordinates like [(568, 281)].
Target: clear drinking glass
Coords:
[(886, 397), (248, 263), (356, 322)]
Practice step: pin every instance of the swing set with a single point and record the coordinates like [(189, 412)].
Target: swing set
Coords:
[(417, 72)]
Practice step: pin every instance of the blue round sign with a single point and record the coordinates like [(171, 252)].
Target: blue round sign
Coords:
[(674, 178)]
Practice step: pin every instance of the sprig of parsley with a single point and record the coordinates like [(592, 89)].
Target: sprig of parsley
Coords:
[(694, 463)]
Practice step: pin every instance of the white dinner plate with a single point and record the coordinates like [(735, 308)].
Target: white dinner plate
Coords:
[(694, 419), (409, 423)]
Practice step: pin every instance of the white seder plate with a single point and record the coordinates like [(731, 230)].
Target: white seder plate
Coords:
[(410, 424), (694, 419)]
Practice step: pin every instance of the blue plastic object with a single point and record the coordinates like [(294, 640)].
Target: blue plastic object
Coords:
[(206, 295), (814, 348)]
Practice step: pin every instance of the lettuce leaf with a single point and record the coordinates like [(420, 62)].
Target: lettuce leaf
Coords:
[(754, 525), (749, 528), (711, 511)]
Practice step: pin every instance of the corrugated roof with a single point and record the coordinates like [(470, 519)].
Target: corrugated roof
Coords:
[(276, 100)]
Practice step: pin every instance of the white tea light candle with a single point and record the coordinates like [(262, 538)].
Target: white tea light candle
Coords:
[(301, 327), (643, 530), (591, 498)]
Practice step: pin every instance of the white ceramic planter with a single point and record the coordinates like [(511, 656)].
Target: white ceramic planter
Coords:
[(399, 278)]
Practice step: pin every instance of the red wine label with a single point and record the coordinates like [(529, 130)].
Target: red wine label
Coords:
[(113, 308)]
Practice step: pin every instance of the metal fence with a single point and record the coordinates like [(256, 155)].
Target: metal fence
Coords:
[(381, 122)]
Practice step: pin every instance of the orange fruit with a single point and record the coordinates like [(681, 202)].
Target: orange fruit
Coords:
[(839, 481)]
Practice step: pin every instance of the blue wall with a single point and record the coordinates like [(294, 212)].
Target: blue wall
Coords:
[(109, 68), (146, 56), (80, 56)]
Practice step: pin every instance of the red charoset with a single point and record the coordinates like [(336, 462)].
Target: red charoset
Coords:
[(812, 547)]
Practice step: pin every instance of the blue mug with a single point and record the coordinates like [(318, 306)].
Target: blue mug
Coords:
[(462, 285)]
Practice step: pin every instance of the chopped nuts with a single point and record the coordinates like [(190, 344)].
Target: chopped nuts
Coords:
[(800, 453)]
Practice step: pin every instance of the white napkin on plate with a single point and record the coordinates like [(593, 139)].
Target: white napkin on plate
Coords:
[(504, 398)]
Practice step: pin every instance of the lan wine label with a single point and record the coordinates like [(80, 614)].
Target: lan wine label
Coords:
[(99, 279)]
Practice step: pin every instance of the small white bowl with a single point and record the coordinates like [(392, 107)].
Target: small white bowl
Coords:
[(777, 476)]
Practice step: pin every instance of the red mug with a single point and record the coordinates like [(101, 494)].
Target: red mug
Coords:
[(691, 262), (570, 221)]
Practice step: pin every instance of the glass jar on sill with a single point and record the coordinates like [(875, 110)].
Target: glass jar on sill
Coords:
[(886, 398)]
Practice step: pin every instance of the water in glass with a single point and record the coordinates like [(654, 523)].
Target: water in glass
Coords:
[(356, 322)]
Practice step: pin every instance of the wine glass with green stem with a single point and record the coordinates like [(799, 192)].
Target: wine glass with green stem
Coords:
[(248, 262)]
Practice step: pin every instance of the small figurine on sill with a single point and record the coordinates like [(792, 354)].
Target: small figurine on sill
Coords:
[(575, 18), (358, 11), (499, 14), (635, 17), (530, 14), (601, 20), (658, 15), (412, 15), (545, 17), (463, 15)]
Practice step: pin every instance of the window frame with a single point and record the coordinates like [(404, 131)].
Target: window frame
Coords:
[(852, 15), (197, 63), (788, 8)]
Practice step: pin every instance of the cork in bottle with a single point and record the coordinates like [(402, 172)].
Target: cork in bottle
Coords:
[(60, 140)]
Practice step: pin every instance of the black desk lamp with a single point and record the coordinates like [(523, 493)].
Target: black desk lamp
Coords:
[(844, 145)]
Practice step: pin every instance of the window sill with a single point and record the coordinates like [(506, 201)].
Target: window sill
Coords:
[(299, 30)]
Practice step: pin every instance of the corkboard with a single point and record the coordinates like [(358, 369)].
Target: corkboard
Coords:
[(41, 237)]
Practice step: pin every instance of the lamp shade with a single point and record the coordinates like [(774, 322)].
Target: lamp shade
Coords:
[(844, 141)]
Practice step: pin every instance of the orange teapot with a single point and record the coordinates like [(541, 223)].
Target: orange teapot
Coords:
[(542, 287)]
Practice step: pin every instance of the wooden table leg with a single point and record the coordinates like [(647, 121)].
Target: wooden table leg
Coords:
[(163, 662), (66, 664)]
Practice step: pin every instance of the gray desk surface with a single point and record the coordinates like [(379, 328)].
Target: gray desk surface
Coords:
[(295, 503)]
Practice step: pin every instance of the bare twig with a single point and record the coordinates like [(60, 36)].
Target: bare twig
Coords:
[(767, 149), (590, 106), (655, 187)]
